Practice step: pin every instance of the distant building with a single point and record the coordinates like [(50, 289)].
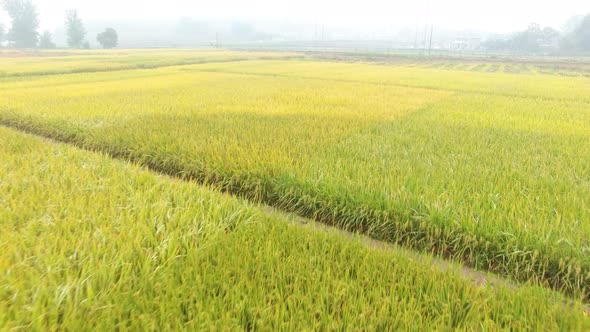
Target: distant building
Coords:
[(459, 45), (465, 44)]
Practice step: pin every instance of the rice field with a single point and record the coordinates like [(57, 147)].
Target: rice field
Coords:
[(487, 168), (93, 243), (17, 63)]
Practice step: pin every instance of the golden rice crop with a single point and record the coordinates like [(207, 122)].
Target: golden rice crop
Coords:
[(43, 62), (92, 243), (489, 168), (529, 86)]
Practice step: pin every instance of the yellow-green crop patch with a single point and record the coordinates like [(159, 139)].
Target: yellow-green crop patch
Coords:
[(489, 168), (16, 64), (89, 243), (530, 86)]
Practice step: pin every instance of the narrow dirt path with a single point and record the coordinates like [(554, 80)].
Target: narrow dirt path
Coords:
[(479, 278), (474, 276)]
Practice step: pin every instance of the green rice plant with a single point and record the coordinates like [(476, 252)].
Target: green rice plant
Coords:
[(489, 169), (90, 243)]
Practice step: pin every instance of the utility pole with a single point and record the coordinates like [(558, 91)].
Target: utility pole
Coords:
[(428, 21), (425, 36), (316, 37), (430, 46), (416, 37), (315, 32), (323, 36)]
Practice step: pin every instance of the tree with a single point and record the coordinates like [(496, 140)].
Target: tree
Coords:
[(25, 23), (578, 39), (108, 38), (528, 40), (535, 39), (75, 30), (572, 24), (46, 40), (2, 33), (498, 44), (581, 35)]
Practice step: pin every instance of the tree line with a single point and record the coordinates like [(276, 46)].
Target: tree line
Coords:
[(24, 33), (24, 30), (536, 39)]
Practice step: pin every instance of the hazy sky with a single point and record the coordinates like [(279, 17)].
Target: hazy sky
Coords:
[(491, 15)]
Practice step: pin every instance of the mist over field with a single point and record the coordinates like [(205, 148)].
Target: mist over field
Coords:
[(450, 25)]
